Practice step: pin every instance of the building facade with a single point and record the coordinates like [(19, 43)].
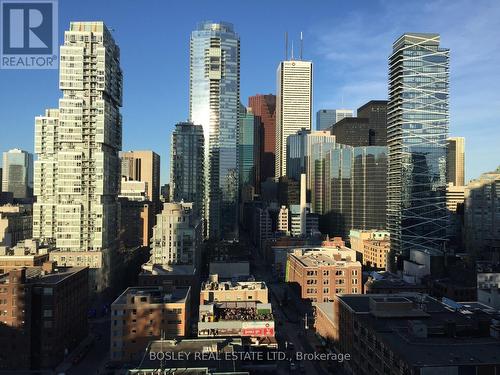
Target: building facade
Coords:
[(354, 194), (455, 161), (77, 174), (373, 246), (481, 218), (143, 166), (264, 110), (214, 99), (321, 275), (248, 148), (187, 165), (44, 315), (16, 224), (325, 118), (17, 173), (177, 236), (142, 314), (299, 148), (293, 105), (136, 214), (376, 113), (418, 123), (413, 333)]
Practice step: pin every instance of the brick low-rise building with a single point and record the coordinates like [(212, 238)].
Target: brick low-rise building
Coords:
[(229, 291), (373, 246), (143, 314), (320, 275), (415, 334), (43, 315)]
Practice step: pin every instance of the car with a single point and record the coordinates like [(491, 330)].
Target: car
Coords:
[(293, 366)]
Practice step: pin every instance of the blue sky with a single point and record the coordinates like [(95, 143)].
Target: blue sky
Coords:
[(348, 41)]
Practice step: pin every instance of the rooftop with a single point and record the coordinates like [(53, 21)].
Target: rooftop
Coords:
[(194, 365), (322, 259), (424, 331), (382, 280), (236, 311), (39, 276), (233, 285), (154, 295)]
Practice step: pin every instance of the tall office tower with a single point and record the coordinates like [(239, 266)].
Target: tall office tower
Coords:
[(77, 174), (327, 117), (214, 99), (354, 194), (416, 136), (376, 113), (293, 105), (177, 236), (298, 152), (143, 166), (368, 129), (455, 161), (17, 175), (481, 219), (264, 110), (248, 145), (187, 165)]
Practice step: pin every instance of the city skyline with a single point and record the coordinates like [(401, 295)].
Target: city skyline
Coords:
[(353, 82), (281, 244)]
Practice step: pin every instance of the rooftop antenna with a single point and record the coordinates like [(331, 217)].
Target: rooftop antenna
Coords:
[(301, 45), (292, 49), (286, 45)]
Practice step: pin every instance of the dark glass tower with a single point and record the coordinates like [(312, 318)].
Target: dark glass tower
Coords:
[(187, 165), (354, 191), (416, 136), (248, 137)]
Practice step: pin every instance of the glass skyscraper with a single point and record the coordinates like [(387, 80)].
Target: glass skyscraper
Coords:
[(325, 118), (214, 98), (186, 165), (248, 152), (17, 177), (416, 136), (353, 195)]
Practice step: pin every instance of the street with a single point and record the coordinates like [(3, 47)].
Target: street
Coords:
[(289, 322)]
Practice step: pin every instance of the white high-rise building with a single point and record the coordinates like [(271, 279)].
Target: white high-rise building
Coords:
[(77, 174), (293, 105), (177, 236), (283, 220)]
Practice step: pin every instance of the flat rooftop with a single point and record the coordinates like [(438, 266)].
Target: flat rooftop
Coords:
[(157, 295), (194, 365), (36, 275), (454, 336), (233, 285), (319, 259)]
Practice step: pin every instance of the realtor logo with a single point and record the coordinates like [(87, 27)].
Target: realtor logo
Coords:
[(28, 34)]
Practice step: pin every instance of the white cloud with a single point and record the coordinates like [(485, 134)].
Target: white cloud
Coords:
[(351, 61)]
